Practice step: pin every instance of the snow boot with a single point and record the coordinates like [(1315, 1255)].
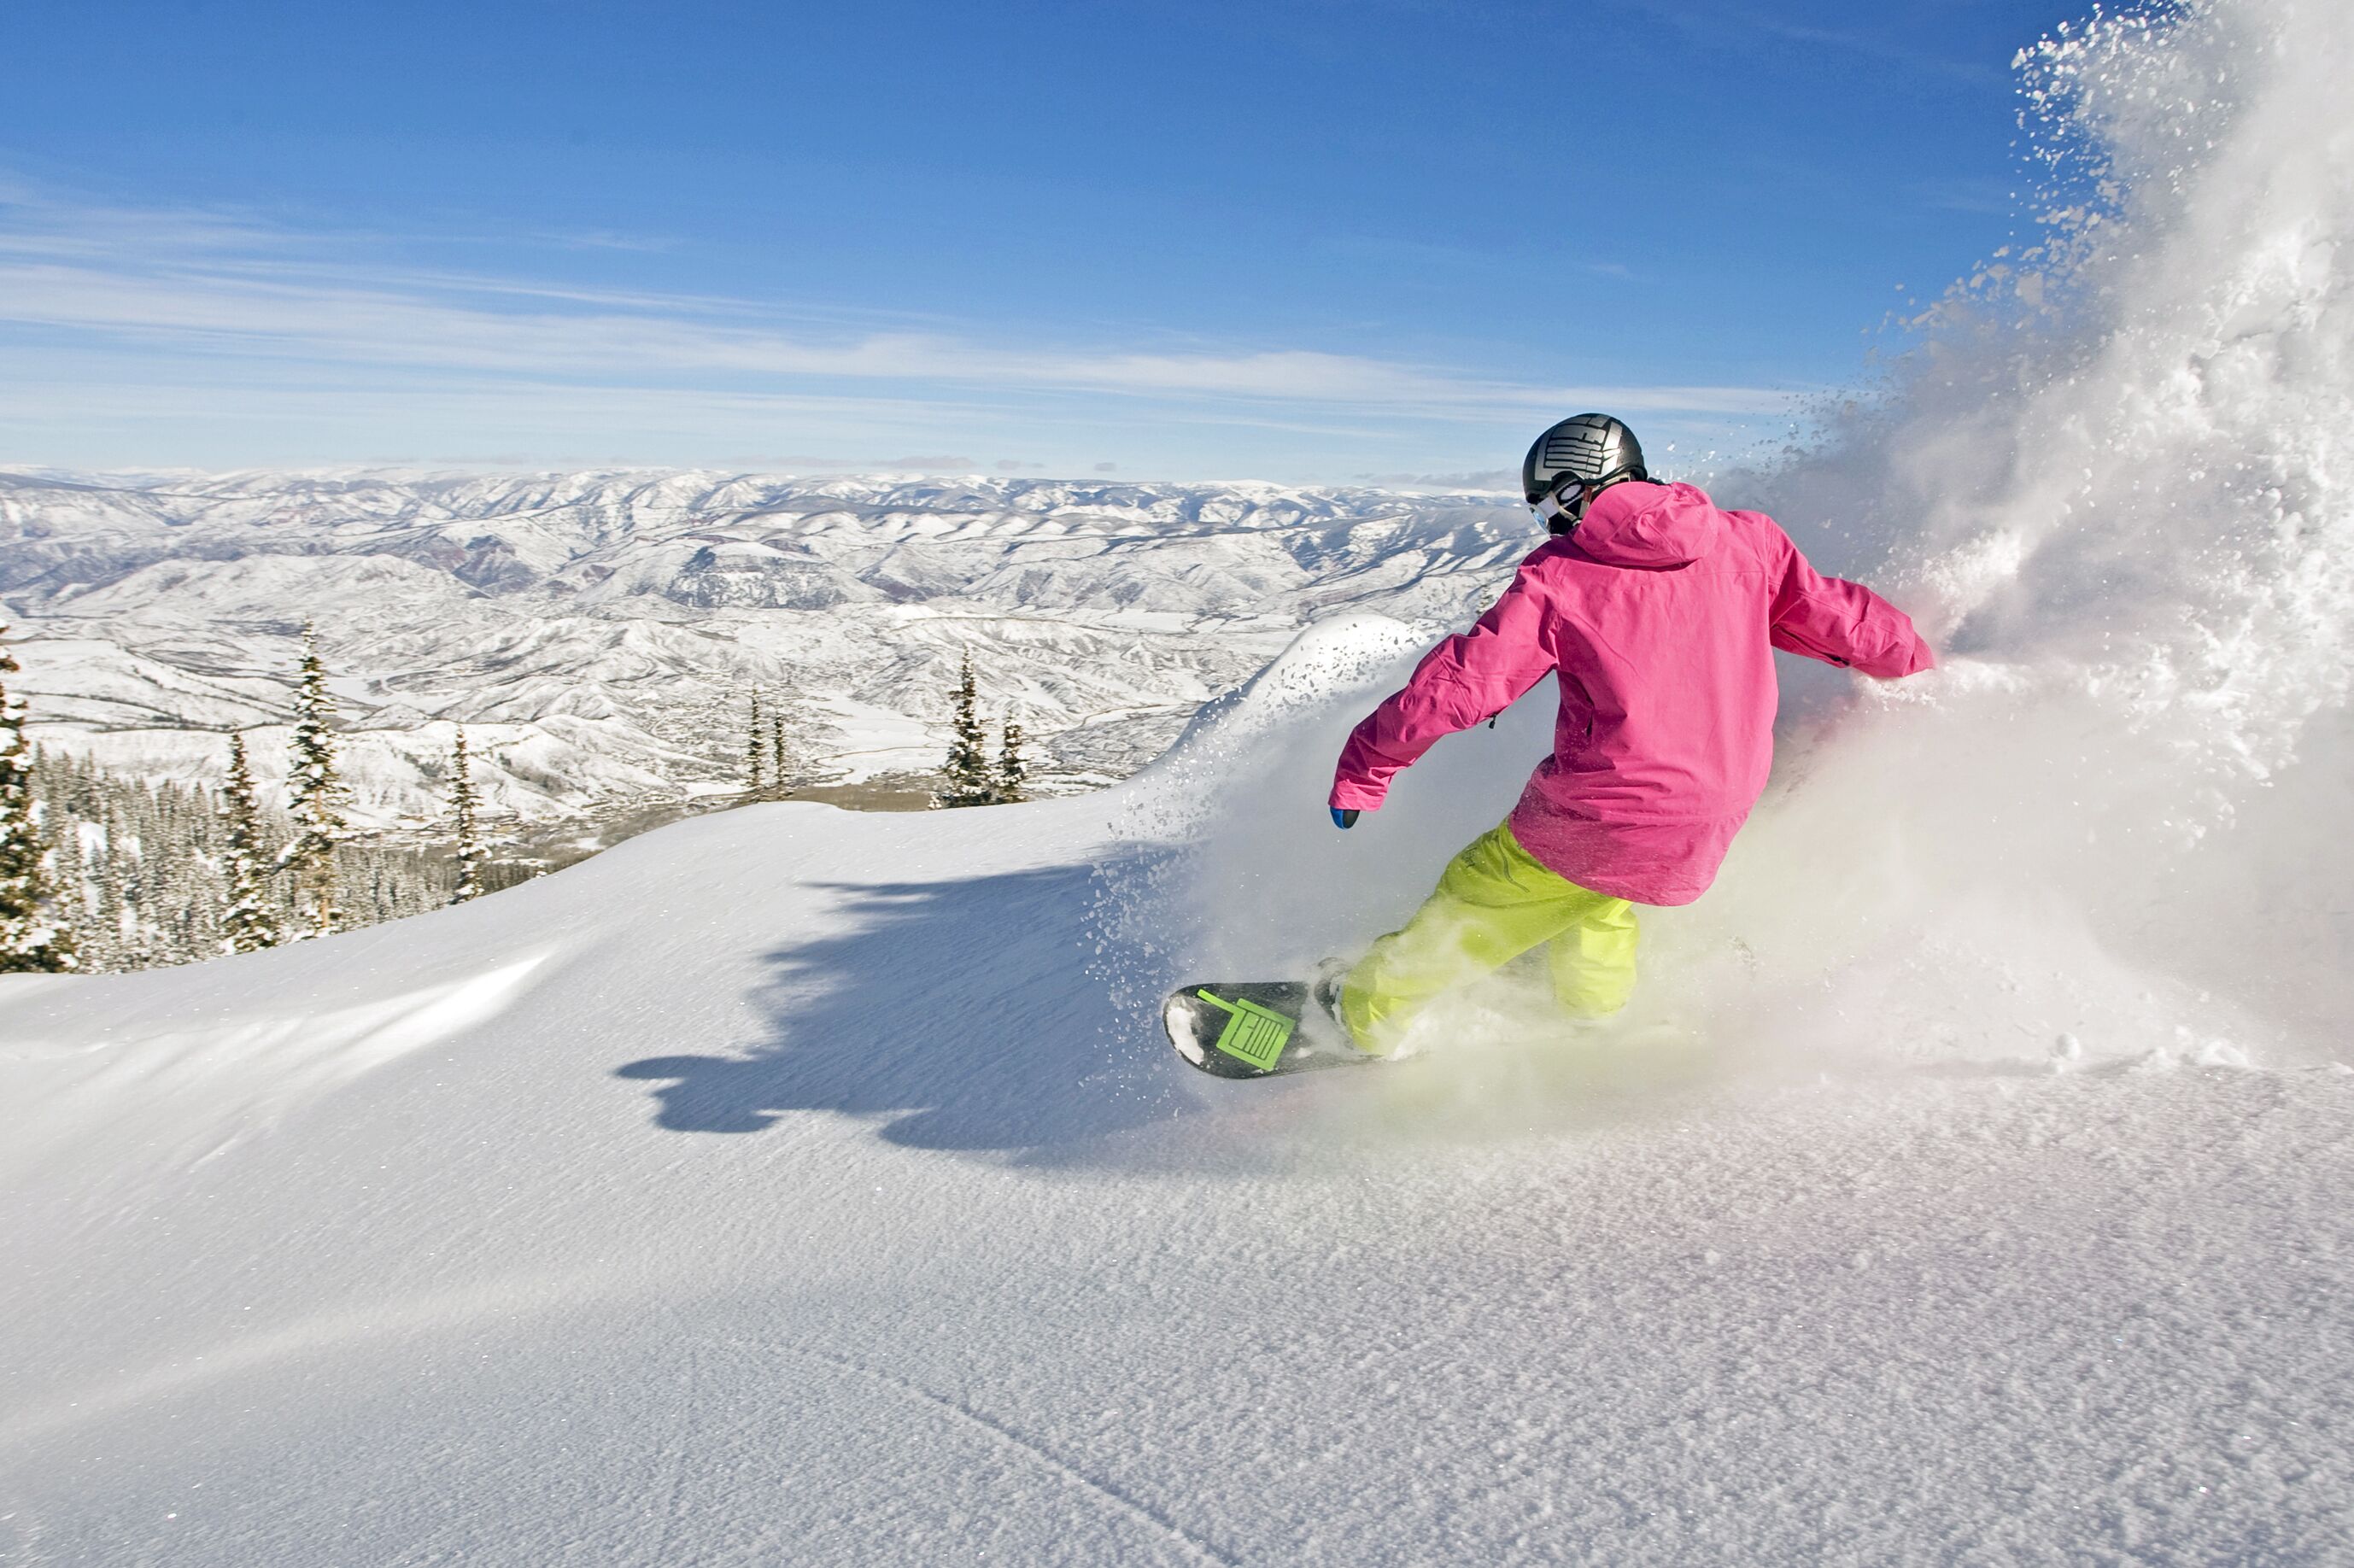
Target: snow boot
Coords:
[(1331, 975)]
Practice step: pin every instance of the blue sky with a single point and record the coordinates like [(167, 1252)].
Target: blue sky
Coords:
[(1287, 239)]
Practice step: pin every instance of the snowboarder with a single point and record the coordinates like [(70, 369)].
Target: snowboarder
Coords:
[(1658, 611)]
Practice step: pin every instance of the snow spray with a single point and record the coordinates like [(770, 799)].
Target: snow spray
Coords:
[(2112, 486), (2111, 481)]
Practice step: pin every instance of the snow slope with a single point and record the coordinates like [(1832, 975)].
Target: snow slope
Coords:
[(798, 1185)]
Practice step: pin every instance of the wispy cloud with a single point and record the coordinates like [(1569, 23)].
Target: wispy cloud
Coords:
[(182, 312), (201, 281)]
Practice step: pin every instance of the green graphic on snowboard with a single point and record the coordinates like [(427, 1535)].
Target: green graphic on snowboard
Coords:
[(1255, 1029), (1253, 1034)]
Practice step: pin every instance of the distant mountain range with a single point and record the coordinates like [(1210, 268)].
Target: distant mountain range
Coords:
[(598, 632)]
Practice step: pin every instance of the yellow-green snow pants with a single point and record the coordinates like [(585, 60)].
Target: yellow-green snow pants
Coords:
[(1494, 902)]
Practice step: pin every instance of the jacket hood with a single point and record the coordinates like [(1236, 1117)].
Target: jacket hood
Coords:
[(1648, 525)]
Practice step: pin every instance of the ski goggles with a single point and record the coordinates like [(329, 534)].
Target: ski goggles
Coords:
[(1554, 509), (1564, 504)]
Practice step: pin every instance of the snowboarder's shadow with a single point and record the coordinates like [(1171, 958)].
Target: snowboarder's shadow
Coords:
[(966, 1014)]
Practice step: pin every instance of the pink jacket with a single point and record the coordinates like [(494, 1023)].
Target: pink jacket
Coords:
[(1658, 616)]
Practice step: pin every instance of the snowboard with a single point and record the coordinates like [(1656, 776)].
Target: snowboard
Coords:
[(1254, 1029)]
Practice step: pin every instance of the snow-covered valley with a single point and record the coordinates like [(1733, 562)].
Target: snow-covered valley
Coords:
[(598, 633)]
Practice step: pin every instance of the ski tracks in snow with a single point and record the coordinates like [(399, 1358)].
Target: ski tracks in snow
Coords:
[(1193, 1547)]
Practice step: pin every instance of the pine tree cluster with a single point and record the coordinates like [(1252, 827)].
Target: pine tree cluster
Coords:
[(152, 875), (103, 874), (770, 769), (969, 777)]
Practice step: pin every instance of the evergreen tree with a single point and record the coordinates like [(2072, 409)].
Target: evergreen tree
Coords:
[(196, 897), (71, 856), (34, 935), (146, 871), (316, 794), (114, 923), (470, 853), (249, 921), (754, 746), (777, 750), (966, 780), (1011, 771)]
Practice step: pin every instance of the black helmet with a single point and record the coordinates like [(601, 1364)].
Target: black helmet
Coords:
[(1593, 449)]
